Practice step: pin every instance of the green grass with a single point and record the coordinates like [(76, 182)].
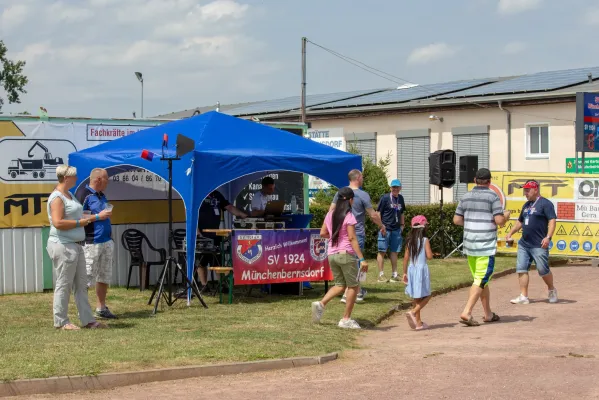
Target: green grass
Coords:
[(253, 328)]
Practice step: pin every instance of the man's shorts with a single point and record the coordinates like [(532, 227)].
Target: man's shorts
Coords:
[(345, 269), (392, 241), (482, 269), (526, 255), (99, 262)]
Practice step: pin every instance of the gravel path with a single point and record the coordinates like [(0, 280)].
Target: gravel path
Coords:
[(540, 350)]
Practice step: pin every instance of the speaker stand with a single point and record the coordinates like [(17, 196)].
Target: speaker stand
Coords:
[(443, 233)]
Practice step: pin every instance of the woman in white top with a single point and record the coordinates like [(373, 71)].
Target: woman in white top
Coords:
[(65, 248)]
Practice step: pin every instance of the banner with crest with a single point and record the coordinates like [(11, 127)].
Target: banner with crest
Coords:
[(278, 256)]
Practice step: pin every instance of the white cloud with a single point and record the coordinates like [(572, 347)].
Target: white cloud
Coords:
[(514, 48), (13, 16), (432, 52), (517, 6), (591, 17), (81, 55)]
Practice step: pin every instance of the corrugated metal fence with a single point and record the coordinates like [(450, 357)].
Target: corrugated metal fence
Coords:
[(24, 270)]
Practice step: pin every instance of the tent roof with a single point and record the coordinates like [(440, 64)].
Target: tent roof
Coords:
[(226, 148)]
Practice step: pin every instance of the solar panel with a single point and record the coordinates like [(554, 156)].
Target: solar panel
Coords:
[(410, 93), (541, 81), (294, 102)]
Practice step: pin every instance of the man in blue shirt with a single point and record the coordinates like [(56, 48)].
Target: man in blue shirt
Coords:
[(392, 208), (99, 246), (537, 221)]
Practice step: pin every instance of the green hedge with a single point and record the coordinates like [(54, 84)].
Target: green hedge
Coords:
[(430, 211)]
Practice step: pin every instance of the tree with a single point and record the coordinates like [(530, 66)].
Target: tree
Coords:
[(11, 77)]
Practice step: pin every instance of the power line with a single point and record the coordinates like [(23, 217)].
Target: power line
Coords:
[(401, 81)]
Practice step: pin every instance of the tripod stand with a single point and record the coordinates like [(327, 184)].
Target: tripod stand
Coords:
[(443, 232), (170, 260)]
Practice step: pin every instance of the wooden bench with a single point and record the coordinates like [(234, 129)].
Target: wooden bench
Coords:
[(223, 273)]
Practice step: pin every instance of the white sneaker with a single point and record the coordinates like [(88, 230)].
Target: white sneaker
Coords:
[(348, 324), (382, 279), (317, 311), (520, 300), (553, 296), (344, 299)]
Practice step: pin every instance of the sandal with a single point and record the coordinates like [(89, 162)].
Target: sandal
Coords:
[(423, 327), (95, 325), (411, 319), (494, 318), (69, 327), (469, 322)]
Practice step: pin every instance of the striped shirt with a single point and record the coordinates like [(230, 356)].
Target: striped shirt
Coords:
[(479, 207)]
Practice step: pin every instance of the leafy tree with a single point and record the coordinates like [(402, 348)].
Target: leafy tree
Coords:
[(11, 77)]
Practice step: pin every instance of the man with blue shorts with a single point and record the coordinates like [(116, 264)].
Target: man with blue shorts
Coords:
[(537, 221), (392, 208), (361, 206)]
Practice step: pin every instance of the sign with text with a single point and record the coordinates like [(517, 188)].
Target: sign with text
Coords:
[(102, 132), (587, 122), (332, 137), (33, 150), (591, 165), (576, 201), (270, 256)]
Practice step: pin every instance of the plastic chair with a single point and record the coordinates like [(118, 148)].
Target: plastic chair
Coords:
[(132, 240)]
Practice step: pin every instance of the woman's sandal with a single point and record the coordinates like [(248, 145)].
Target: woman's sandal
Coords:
[(69, 327), (494, 318), (469, 322), (95, 325)]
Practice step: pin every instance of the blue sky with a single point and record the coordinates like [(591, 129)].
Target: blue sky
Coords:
[(82, 55)]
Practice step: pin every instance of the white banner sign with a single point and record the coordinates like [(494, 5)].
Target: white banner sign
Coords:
[(332, 137), (100, 132)]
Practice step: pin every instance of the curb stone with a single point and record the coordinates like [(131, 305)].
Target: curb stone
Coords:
[(111, 380), (435, 293)]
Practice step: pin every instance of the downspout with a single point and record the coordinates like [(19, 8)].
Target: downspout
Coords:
[(509, 135)]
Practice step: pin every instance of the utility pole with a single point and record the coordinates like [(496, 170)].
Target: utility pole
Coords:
[(304, 40)]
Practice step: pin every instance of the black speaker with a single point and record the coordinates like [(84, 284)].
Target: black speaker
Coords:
[(468, 168), (441, 168)]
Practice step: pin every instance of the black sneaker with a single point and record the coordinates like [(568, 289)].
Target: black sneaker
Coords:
[(105, 313)]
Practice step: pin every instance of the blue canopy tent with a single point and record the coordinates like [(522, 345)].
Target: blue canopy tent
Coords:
[(226, 148)]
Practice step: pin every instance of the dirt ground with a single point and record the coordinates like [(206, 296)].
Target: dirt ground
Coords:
[(537, 351)]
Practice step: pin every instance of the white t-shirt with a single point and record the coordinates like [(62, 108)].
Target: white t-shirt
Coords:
[(259, 201)]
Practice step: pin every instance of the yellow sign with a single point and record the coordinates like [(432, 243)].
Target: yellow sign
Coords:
[(31, 152), (576, 201)]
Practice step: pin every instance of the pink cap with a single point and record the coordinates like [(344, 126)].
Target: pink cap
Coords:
[(419, 220)]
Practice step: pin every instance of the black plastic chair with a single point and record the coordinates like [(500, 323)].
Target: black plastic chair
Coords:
[(178, 240), (132, 240)]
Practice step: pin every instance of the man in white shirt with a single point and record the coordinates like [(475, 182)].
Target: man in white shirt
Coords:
[(262, 197)]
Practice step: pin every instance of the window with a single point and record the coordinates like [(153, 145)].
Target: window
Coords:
[(538, 141), (363, 143)]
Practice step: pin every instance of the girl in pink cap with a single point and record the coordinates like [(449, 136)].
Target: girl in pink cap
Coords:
[(415, 271)]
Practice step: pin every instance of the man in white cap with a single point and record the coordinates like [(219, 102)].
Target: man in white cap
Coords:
[(392, 208)]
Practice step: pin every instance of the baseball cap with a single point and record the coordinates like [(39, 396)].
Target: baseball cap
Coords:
[(419, 221), (483, 174), (395, 183), (530, 185)]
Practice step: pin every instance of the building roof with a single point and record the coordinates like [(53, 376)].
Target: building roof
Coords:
[(547, 86)]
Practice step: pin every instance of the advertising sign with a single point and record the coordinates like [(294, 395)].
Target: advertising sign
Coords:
[(332, 137), (279, 256), (32, 150), (576, 201), (587, 122), (591, 165)]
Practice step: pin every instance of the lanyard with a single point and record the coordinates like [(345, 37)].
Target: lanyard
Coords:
[(395, 206), (532, 206)]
